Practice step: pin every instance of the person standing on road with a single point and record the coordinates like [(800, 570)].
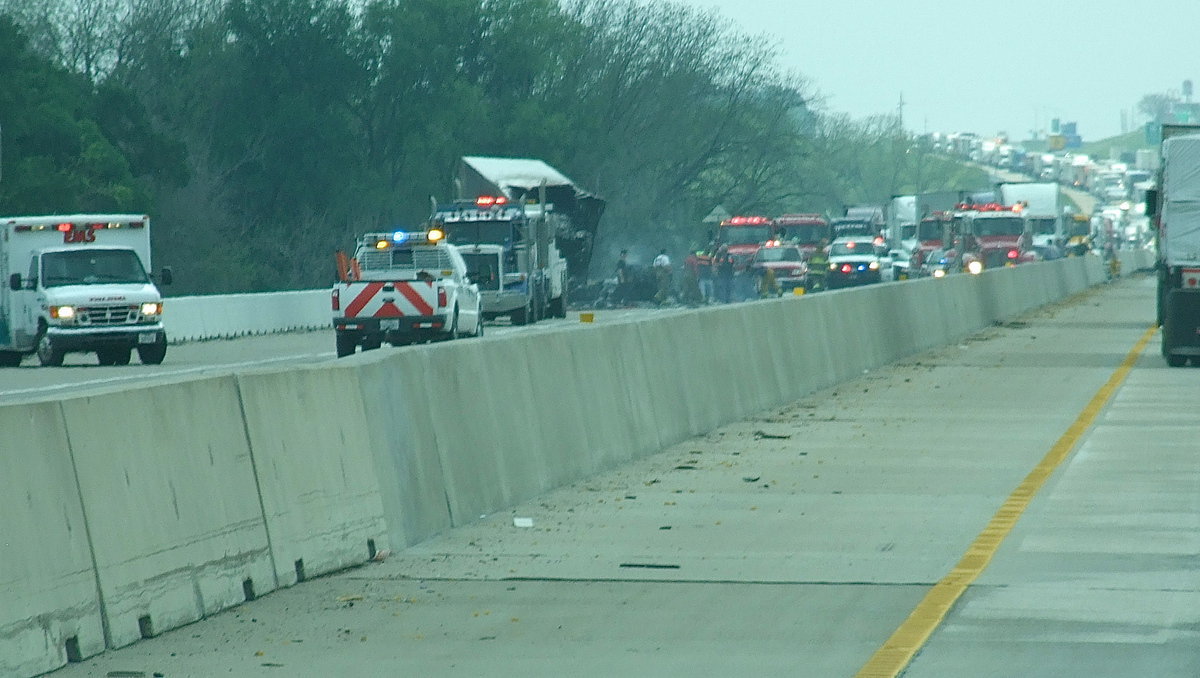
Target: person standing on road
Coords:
[(662, 271), (818, 266), (723, 263), (704, 274), (621, 293)]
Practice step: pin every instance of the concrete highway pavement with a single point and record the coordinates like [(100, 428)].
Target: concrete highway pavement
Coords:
[(80, 371), (797, 542)]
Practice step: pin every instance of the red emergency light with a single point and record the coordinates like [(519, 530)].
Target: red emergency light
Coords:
[(490, 201), (63, 228), (1013, 254), (747, 221), (986, 207)]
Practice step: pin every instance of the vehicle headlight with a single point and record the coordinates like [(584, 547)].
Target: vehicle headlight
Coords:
[(833, 267), (152, 308), (63, 312), (939, 273), (874, 266), (975, 267)]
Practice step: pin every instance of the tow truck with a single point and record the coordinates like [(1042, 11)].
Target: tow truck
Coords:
[(511, 251)]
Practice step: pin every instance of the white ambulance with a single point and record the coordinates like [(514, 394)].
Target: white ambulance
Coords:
[(79, 283)]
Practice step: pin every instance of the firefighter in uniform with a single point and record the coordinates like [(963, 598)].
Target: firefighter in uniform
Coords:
[(818, 266)]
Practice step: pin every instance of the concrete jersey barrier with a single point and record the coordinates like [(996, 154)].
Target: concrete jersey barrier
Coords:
[(217, 489)]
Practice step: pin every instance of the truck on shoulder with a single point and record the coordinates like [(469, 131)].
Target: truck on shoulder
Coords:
[(403, 287), (79, 283), (1175, 205)]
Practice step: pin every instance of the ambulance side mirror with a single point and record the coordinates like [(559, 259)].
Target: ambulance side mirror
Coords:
[(14, 281), (168, 276)]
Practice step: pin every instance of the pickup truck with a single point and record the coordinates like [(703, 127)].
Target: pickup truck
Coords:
[(403, 288)]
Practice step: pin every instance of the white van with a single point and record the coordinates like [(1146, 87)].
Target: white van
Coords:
[(79, 283)]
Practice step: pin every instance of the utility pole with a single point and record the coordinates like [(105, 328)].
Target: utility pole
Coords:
[(900, 111)]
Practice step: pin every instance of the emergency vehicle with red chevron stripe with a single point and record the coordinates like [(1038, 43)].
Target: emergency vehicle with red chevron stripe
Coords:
[(403, 287)]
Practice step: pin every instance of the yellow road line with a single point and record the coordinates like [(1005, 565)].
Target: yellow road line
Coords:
[(898, 650)]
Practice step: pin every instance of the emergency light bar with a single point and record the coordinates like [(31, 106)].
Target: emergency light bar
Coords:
[(491, 201), (988, 207), (745, 221), (383, 241), (67, 227)]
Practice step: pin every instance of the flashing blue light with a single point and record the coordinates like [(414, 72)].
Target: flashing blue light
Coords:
[(399, 236)]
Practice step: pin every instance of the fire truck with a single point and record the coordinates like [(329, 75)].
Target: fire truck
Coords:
[(805, 230), (402, 287), (991, 235), (932, 232), (744, 236)]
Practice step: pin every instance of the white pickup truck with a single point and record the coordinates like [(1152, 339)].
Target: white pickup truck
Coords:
[(403, 287)]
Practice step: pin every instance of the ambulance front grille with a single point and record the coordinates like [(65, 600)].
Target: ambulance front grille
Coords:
[(108, 315)]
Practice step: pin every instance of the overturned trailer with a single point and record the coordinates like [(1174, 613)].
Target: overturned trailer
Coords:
[(526, 181)]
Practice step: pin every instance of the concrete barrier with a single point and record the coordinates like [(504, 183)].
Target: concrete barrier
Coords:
[(316, 477), (398, 414), (49, 604), (173, 513), (167, 503), (235, 315)]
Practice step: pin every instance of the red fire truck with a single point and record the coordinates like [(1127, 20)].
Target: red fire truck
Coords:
[(805, 230), (991, 235)]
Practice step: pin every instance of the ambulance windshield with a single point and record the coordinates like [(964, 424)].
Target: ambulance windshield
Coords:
[(92, 267)]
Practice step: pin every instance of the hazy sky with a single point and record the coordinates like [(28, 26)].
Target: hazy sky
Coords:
[(983, 65)]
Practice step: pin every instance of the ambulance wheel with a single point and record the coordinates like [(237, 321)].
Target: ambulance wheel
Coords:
[(10, 359), (152, 354), (48, 354), (114, 356), (347, 343)]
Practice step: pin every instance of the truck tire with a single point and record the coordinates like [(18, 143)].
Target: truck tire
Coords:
[(523, 316), (153, 354), (453, 333), (117, 355), (10, 359), (558, 306), (48, 354), (346, 342)]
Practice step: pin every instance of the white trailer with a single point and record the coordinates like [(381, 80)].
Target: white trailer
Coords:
[(1043, 209)]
